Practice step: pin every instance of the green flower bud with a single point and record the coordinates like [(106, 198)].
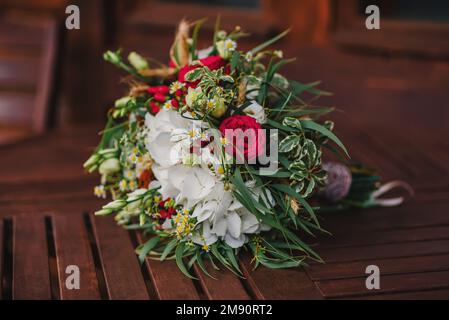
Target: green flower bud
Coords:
[(109, 166), (112, 57), (93, 159), (137, 61), (122, 102), (115, 205), (103, 212)]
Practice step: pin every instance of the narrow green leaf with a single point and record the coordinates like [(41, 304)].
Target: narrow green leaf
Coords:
[(311, 125), (146, 248)]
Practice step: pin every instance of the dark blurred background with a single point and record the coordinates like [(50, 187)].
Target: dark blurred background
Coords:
[(395, 76)]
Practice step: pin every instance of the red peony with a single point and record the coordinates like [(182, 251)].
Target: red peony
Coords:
[(212, 62), (250, 144)]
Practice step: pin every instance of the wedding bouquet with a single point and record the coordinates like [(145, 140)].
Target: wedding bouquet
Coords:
[(218, 153)]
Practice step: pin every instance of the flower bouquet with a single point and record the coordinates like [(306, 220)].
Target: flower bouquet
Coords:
[(217, 152)]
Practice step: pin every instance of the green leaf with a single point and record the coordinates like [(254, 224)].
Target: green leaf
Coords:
[(292, 122), (235, 59), (288, 190), (227, 78), (194, 75), (201, 264), (168, 249), (146, 248), (195, 33), (288, 144), (311, 125), (231, 257), (299, 88), (279, 126), (269, 42), (179, 255)]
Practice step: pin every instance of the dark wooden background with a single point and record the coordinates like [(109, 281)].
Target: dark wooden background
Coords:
[(392, 112)]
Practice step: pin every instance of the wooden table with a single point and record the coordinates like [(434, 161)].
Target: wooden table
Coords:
[(46, 224)]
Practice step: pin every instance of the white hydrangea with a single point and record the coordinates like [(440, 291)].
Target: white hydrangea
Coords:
[(197, 184)]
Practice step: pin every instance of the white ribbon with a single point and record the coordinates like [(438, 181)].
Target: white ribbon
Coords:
[(390, 202)]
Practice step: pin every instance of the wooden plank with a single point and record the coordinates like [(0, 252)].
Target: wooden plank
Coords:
[(224, 286), (40, 191), (387, 266), (31, 273), (73, 248), (122, 272), (279, 284), (393, 250), (383, 237), (376, 219), (168, 282), (388, 284)]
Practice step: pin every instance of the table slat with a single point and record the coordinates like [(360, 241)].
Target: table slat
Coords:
[(225, 286), (279, 284), (387, 266), (31, 273), (73, 248), (394, 250), (122, 272), (168, 281), (388, 284)]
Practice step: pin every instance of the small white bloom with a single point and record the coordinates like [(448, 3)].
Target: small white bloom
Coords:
[(129, 174), (278, 53), (167, 105), (249, 56), (100, 192), (123, 184), (230, 45), (226, 47), (175, 86)]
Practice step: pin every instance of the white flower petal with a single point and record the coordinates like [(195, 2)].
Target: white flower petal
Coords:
[(235, 242), (234, 224)]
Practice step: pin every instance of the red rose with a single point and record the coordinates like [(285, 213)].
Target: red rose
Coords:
[(212, 62), (249, 144)]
